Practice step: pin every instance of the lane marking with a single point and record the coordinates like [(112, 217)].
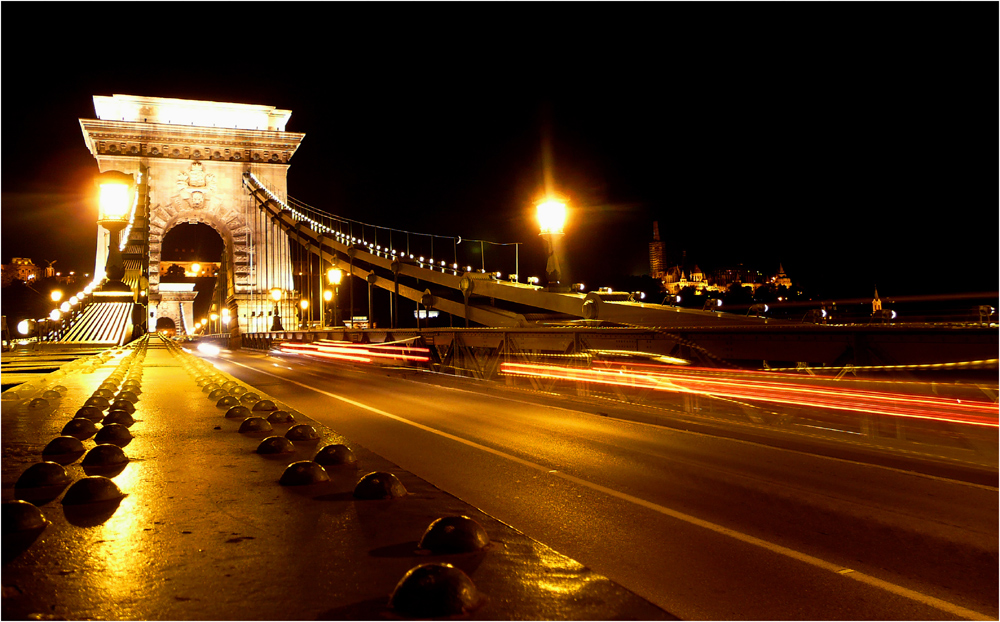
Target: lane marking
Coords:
[(816, 562)]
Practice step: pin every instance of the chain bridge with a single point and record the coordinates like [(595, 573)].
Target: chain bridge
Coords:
[(225, 165)]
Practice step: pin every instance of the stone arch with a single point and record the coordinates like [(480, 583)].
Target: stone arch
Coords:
[(166, 325), (225, 221)]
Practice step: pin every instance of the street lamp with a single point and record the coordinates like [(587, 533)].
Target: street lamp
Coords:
[(327, 297), (215, 320), (56, 295), (276, 296), (551, 219), (115, 200), (334, 276), (304, 305)]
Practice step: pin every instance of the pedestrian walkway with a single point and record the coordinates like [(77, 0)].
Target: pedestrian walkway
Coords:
[(189, 521)]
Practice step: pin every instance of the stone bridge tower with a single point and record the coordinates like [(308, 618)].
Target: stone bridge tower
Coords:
[(193, 155)]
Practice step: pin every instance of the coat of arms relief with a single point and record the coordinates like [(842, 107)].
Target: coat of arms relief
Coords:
[(195, 186)]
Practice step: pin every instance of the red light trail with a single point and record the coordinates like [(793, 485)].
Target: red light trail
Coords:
[(770, 387), (357, 352)]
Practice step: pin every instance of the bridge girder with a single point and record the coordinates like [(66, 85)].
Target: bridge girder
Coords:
[(583, 306)]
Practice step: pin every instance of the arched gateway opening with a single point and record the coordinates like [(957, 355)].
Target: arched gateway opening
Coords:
[(194, 254)]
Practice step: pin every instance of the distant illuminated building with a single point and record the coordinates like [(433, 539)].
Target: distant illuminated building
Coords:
[(724, 277), (876, 303), (680, 277), (20, 269), (781, 278), (657, 261)]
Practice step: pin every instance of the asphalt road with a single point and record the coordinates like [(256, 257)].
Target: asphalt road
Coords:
[(706, 527)]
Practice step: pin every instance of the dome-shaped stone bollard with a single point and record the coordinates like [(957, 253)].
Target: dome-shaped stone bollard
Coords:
[(90, 412), (106, 393), (113, 433), (337, 455), (10, 395), (229, 384), (252, 398), (303, 473), (22, 516), (238, 412), (302, 432), (454, 534), (120, 417), (217, 394), (92, 489), (106, 455), (275, 445), (227, 402), (379, 485), (80, 428), (63, 450), (38, 403), (238, 390), (265, 405), (255, 425), (43, 474), (98, 402), (125, 405), (434, 591), (125, 394), (281, 416), (208, 388), (52, 395)]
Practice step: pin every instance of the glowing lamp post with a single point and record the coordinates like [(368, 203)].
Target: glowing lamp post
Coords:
[(115, 202), (304, 305), (276, 296), (551, 219), (334, 276), (327, 297)]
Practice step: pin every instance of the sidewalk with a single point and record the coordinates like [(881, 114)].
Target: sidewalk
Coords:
[(206, 531)]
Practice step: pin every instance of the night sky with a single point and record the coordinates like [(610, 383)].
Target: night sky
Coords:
[(854, 143)]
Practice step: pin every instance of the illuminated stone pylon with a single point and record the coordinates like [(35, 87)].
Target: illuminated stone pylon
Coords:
[(194, 155)]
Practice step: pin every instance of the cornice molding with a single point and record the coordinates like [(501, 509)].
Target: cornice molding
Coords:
[(160, 140)]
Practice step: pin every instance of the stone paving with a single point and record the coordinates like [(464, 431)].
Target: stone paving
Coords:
[(189, 521)]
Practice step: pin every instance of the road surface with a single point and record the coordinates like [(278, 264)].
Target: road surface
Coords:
[(703, 525)]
